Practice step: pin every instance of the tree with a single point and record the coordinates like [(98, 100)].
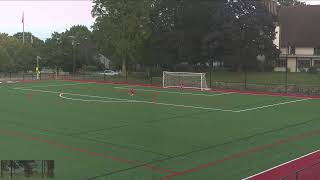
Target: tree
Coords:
[(54, 54), (121, 28), (242, 29), (58, 51), (35, 42), (286, 3), (177, 30), (14, 55)]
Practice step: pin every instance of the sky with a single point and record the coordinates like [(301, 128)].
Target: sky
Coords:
[(42, 18), (313, 2)]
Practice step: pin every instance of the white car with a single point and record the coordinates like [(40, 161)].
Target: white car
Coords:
[(110, 73)]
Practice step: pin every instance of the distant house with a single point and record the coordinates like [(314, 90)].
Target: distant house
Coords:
[(299, 38)]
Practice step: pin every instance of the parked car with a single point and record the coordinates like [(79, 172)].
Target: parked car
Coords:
[(110, 73)]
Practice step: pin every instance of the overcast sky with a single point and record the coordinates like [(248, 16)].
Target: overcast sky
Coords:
[(312, 1), (42, 18)]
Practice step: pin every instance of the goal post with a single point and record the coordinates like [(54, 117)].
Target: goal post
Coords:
[(186, 80)]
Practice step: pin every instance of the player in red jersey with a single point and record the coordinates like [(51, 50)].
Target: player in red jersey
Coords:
[(132, 92), (181, 85)]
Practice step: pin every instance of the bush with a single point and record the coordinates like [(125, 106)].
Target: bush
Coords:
[(303, 70), (314, 69)]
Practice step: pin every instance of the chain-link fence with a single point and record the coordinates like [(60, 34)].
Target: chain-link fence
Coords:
[(276, 82)]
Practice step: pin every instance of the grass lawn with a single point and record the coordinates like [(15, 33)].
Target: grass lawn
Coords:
[(267, 78)]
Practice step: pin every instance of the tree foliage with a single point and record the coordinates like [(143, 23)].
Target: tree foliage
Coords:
[(59, 49), (154, 32), (200, 32), (14, 56), (121, 28)]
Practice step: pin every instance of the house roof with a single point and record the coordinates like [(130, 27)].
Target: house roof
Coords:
[(300, 26)]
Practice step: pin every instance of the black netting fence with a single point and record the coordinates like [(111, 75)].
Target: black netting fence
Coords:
[(304, 83)]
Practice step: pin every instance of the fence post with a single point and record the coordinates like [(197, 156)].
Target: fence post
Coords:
[(10, 75), (151, 76), (286, 83), (22, 75), (245, 77), (104, 76), (126, 75), (210, 77)]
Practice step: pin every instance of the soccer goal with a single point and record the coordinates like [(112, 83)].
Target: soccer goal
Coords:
[(185, 80)]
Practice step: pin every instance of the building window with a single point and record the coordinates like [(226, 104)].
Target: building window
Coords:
[(292, 50), (317, 51), (316, 63), (304, 64), (281, 63)]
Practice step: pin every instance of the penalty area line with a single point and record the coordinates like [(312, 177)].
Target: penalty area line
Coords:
[(181, 93), (273, 105), (128, 100), (158, 103), (92, 100)]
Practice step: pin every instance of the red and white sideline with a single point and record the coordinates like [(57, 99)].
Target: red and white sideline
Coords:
[(285, 169)]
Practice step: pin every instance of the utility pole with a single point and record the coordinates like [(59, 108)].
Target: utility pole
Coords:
[(73, 57)]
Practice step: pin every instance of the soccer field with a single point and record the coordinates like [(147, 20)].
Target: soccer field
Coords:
[(98, 131)]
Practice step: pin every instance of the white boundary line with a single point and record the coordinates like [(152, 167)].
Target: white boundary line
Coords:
[(181, 93), (54, 85), (128, 100), (272, 105), (167, 104), (81, 95), (88, 100), (281, 165)]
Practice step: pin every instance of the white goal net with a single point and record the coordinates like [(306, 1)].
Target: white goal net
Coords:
[(185, 80)]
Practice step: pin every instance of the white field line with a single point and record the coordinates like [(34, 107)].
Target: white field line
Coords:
[(167, 104), (273, 105), (54, 85), (275, 167), (130, 100), (72, 94), (181, 93), (88, 100)]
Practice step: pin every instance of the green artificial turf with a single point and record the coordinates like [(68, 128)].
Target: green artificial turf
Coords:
[(98, 131)]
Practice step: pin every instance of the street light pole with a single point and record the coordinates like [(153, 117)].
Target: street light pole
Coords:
[(73, 57)]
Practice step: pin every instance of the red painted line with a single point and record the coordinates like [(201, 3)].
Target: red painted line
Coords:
[(217, 90), (75, 149), (244, 153), (290, 167)]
